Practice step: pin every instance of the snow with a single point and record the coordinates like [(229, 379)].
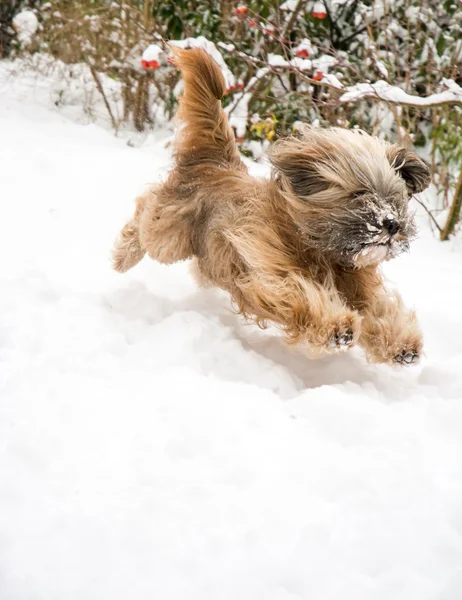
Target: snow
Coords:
[(210, 48), (382, 68), (332, 80), (152, 52), (390, 93), (289, 5), (25, 23), (238, 111), (239, 115), (306, 44), (276, 60), (154, 446), (319, 8), (324, 62), (303, 64)]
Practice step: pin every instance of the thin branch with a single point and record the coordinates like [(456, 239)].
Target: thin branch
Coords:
[(332, 25), (138, 23), (103, 95), (288, 27), (428, 211), (454, 211), (281, 81), (353, 35)]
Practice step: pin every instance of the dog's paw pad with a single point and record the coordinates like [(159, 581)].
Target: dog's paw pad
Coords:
[(342, 341), (407, 357)]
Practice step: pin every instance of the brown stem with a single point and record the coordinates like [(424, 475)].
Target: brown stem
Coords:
[(427, 210), (454, 212), (293, 16), (103, 95)]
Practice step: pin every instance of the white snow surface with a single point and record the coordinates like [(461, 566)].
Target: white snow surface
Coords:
[(154, 446)]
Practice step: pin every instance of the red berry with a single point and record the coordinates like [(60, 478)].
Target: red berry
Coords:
[(318, 76), (319, 11), (239, 86), (252, 22), (303, 53), (149, 64), (241, 10)]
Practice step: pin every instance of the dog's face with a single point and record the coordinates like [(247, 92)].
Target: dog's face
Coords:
[(349, 192)]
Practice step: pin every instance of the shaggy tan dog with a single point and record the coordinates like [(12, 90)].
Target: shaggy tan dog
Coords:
[(300, 250)]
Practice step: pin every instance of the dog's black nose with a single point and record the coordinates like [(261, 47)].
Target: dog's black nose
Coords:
[(391, 225)]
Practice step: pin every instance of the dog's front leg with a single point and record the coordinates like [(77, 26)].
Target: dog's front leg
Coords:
[(306, 311), (390, 332)]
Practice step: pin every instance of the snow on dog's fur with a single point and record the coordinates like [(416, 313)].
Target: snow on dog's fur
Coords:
[(302, 249)]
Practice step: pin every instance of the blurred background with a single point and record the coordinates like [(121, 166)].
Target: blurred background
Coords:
[(392, 68)]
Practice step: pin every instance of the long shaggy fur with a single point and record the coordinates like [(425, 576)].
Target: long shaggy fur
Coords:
[(300, 250)]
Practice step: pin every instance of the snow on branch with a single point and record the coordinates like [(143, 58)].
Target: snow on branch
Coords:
[(381, 90)]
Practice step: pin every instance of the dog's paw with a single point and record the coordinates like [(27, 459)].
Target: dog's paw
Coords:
[(406, 348), (342, 332), (407, 357), (341, 341)]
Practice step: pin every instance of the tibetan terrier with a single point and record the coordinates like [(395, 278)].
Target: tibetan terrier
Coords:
[(302, 249)]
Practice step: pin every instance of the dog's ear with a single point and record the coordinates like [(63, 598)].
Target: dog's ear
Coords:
[(295, 164), (410, 167)]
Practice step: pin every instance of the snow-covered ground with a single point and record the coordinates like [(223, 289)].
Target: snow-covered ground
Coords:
[(154, 446)]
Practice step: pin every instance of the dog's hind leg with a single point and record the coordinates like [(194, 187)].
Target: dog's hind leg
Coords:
[(127, 250), (160, 228), (166, 236)]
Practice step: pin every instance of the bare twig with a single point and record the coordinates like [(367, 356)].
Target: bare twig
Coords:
[(103, 95), (454, 212), (428, 211), (288, 27)]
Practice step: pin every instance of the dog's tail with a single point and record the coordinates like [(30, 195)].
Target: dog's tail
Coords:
[(206, 136)]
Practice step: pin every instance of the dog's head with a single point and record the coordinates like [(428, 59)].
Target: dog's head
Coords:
[(348, 193)]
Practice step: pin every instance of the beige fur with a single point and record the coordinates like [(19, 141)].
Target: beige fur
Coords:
[(300, 250)]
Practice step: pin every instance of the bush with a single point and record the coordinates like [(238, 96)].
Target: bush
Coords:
[(345, 63)]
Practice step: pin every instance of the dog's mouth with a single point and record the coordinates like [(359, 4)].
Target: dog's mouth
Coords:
[(378, 251)]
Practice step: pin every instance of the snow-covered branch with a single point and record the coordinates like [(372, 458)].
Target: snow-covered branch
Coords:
[(381, 90)]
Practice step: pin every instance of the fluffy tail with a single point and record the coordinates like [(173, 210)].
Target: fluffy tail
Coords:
[(206, 135)]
